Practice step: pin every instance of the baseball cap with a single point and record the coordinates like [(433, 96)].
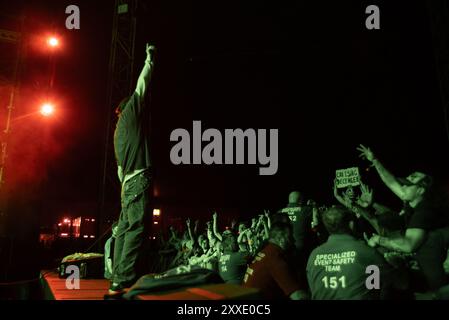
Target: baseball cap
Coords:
[(417, 178)]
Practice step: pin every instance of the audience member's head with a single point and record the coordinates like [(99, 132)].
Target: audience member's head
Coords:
[(295, 197), (203, 242), (337, 220), (281, 234), (417, 185), (350, 193), (229, 243)]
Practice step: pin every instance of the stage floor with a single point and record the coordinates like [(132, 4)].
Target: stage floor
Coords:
[(90, 289), (94, 289)]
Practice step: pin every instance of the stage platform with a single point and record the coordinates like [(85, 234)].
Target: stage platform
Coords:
[(55, 288), (95, 289)]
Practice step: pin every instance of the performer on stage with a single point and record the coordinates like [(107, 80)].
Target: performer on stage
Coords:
[(134, 171)]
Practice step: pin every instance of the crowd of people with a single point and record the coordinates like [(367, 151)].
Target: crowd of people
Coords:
[(354, 249), (357, 249)]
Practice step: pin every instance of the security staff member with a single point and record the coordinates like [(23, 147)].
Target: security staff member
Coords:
[(338, 268), (300, 217)]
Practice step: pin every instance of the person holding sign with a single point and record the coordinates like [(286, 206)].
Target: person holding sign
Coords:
[(359, 206)]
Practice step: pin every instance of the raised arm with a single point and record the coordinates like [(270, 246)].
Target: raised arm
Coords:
[(195, 229), (241, 235), (339, 197), (253, 223), (215, 227), (387, 177), (267, 215), (266, 231), (189, 229), (145, 75), (209, 232)]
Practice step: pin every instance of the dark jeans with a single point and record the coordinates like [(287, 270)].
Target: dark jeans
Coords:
[(431, 256), (132, 230)]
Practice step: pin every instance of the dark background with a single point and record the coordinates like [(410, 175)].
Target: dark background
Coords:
[(310, 69)]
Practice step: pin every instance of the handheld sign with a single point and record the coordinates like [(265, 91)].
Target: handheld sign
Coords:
[(347, 177)]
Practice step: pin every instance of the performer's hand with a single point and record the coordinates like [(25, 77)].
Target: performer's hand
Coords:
[(150, 50)]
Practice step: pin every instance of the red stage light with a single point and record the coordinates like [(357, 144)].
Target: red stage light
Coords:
[(47, 109), (53, 42)]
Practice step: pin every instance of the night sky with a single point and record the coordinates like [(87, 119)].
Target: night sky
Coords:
[(311, 70)]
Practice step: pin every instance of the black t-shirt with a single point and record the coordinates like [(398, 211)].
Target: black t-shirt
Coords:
[(336, 270), (301, 218), (131, 137), (424, 216), (232, 266)]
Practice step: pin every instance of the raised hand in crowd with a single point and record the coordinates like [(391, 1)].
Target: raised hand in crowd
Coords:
[(366, 153), (267, 215), (345, 201), (233, 224), (195, 228), (373, 241), (215, 226), (253, 223), (315, 219), (366, 198)]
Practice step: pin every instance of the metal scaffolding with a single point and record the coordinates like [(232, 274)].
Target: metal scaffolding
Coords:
[(119, 86), (16, 39)]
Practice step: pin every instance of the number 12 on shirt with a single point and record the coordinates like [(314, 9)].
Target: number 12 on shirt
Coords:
[(333, 282)]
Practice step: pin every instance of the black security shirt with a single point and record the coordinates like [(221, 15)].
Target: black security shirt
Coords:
[(336, 270), (301, 218)]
